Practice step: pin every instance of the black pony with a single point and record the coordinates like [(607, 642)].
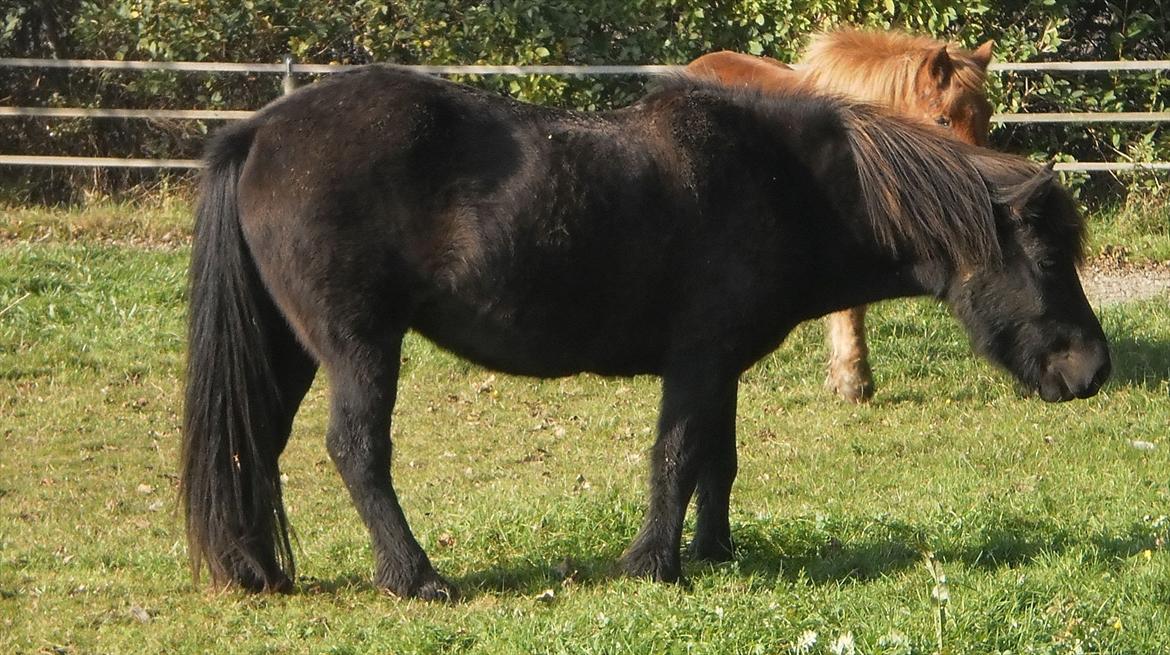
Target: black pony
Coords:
[(683, 236)]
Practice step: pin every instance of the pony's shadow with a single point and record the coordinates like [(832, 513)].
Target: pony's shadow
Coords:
[(778, 552), (522, 578), (530, 578), (1140, 363), (1008, 543), (310, 586)]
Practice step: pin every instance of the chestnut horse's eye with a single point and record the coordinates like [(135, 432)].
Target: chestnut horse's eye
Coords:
[(945, 121)]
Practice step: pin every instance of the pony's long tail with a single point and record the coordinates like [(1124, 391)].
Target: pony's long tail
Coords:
[(230, 483)]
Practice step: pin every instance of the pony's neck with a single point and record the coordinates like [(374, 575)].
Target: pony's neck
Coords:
[(877, 274)]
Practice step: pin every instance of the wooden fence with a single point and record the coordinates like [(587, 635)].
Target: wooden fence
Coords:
[(289, 69)]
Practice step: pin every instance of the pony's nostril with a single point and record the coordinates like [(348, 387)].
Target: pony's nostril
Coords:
[(1083, 370), (1054, 388), (1089, 390)]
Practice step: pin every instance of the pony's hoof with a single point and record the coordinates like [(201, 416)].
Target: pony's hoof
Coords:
[(855, 386), (258, 583), (429, 586), (281, 585), (653, 565), (438, 590), (712, 550)]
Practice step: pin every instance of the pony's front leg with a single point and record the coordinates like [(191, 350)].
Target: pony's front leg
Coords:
[(359, 444), (718, 467), (849, 373), (696, 407)]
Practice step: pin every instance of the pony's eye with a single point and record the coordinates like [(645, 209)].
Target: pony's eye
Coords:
[(943, 120)]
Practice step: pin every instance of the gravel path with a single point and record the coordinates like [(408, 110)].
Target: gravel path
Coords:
[(1107, 283)]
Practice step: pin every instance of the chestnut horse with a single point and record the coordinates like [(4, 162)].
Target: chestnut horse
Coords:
[(683, 236), (916, 76)]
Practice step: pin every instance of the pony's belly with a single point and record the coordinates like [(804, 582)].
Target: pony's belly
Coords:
[(544, 351)]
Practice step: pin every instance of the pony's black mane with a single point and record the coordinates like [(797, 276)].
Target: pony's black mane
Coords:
[(1010, 177), (924, 192)]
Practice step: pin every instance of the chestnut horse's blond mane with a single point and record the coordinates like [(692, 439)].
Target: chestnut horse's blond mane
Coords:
[(883, 66)]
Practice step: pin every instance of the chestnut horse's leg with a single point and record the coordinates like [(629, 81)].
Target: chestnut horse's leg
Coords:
[(364, 383), (849, 373), (697, 406)]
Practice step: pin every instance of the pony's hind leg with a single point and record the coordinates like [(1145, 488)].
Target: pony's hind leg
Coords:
[(364, 384), (293, 372), (268, 564), (849, 374), (294, 369), (246, 377)]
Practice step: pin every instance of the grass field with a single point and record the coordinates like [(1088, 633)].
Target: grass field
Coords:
[(1049, 522)]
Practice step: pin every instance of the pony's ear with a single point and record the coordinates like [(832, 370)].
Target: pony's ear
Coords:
[(982, 54), (940, 66), (1019, 198)]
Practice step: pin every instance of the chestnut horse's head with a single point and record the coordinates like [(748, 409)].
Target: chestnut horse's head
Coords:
[(951, 91), (917, 76)]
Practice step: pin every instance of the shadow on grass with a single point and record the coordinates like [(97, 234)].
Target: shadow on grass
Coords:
[(530, 578), (521, 578), (795, 550), (818, 552), (310, 586), (822, 558), (1138, 363)]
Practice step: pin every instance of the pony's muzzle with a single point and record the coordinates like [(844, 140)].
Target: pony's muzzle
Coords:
[(1078, 372)]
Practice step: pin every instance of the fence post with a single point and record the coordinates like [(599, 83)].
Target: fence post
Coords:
[(290, 83)]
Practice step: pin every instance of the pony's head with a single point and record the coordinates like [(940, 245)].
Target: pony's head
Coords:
[(917, 76), (993, 235), (1027, 311)]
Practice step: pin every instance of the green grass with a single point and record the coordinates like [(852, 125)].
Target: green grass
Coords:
[(164, 221), (1048, 523), (1138, 229)]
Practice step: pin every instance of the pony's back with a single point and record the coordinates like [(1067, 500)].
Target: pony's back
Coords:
[(738, 69)]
